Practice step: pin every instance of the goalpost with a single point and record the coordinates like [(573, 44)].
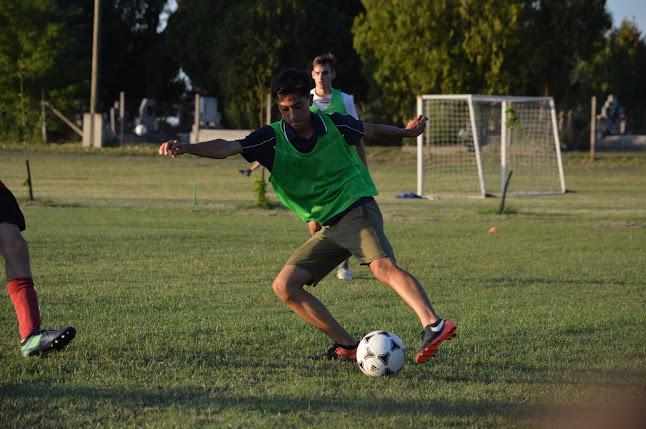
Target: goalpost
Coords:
[(473, 142)]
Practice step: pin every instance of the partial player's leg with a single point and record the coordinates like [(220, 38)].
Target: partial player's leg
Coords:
[(361, 231), (309, 265), (289, 286), (406, 286), (436, 330), (15, 251), (20, 285)]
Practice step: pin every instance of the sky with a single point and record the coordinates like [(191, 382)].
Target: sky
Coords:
[(632, 9), (169, 8)]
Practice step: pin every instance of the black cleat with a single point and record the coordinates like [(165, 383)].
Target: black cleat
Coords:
[(41, 341)]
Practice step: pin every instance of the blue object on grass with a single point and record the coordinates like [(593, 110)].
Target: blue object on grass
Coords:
[(408, 195)]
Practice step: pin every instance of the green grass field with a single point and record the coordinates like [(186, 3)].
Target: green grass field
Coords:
[(178, 325)]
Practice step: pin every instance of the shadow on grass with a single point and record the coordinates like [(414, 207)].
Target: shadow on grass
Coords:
[(496, 282), (39, 202), (95, 401)]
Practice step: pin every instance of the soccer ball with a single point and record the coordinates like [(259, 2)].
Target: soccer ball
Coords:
[(141, 129), (380, 353)]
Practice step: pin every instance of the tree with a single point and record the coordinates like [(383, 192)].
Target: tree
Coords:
[(436, 47), (48, 43), (37, 39), (617, 68), (232, 50), (627, 64), (517, 47), (133, 57), (559, 34)]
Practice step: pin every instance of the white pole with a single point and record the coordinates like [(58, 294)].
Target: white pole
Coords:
[(476, 146), (420, 152), (557, 142)]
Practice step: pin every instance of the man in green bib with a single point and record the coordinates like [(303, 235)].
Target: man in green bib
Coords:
[(327, 99), (316, 173)]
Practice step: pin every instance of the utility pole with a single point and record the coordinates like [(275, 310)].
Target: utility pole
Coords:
[(95, 72)]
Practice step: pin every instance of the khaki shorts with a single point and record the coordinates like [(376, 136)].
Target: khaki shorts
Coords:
[(360, 233)]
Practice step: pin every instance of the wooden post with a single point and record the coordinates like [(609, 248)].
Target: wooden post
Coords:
[(112, 122), (69, 123), (122, 115), (593, 126), (197, 118), (43, 126), (31, 192)]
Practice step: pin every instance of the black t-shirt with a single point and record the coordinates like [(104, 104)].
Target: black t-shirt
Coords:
[(260, 145)]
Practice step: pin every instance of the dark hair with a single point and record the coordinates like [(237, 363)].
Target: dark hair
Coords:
[(324, 59), (291, 82)]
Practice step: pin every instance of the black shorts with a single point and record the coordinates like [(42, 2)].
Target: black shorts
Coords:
[(9, 209)]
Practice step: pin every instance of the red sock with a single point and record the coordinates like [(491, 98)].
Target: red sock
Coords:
[(25, 301)]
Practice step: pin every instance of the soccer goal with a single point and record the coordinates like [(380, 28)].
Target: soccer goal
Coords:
[(474, 142)]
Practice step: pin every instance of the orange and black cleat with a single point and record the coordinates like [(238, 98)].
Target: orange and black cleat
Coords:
[(431, 340), (338, 351)]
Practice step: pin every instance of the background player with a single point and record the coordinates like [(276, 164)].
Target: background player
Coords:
[(329, 100)]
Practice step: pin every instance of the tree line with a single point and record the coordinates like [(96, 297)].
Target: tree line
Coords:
[(388, 51)]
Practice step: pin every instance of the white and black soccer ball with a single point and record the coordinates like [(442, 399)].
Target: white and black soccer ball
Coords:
[(380, 353), (141, 129)]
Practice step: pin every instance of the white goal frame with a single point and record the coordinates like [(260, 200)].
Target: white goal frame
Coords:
[(543, 145)]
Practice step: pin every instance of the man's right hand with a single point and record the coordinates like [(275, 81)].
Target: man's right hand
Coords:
[(172, 147), (416, 125)]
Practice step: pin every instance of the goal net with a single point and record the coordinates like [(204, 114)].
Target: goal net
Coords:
[(473, 142)]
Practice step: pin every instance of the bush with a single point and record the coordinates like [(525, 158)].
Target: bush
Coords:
[(260, 189)]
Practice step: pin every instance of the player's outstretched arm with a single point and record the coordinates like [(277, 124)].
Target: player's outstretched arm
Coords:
[(414, 128), (218, 148), (361, 150)]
